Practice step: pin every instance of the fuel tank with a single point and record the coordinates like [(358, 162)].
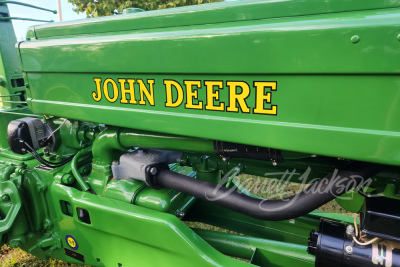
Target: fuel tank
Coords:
[(319, 77)]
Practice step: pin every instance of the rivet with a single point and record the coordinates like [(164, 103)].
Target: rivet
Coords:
[(355, 39)]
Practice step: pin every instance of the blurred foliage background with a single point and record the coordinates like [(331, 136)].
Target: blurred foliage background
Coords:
[(99, 8)]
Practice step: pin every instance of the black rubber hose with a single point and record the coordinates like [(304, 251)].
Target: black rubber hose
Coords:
[(44, 161), (325, 190)]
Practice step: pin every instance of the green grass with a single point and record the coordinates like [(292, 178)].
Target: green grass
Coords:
[(18, 257), (282, 191)]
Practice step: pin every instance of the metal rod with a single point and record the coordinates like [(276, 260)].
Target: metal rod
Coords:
[(17, 94), (17, 18), (23, 114), (59, 10), (16, 102), (28, 5)]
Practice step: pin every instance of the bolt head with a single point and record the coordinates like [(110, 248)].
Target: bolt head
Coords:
[(349, 249), (350, 229), (180, 214), (153, 171), (355, 39), (41, 187), (47, 224), (67, 179), (5, 198), (380, 259)]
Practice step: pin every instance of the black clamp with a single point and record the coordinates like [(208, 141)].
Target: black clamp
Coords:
[(151, 171)]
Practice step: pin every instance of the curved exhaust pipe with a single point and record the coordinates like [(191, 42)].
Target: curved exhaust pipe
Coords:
[(328, 188)]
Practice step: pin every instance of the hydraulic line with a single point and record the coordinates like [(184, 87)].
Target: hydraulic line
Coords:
[(75, 171), (325, 190)]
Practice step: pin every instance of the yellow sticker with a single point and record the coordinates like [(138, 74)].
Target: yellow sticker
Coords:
[(71, 241)]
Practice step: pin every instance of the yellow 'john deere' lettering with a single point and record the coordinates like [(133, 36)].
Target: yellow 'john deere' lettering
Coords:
[(149, 93), (130, 91), (111, 93), (262, 97), (168, 91), (213, 96), (209, 95), (238, 98), (114, 89), (191, 94), (97, 95)]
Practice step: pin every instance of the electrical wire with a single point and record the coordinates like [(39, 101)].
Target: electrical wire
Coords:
[(52, 163), (356, 235), (44, 161), (58, 128), (40, 159), (48, 162), (355, 224), (365, 243)]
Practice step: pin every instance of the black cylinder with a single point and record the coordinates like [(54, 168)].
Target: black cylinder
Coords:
[(330, 242)]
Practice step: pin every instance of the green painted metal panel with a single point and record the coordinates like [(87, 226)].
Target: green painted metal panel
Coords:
[(245, 246), (336, 94), (305, 44), (131, 234), (341, 115), (207, 14)]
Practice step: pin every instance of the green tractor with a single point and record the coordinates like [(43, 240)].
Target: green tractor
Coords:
[(120, 136)]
